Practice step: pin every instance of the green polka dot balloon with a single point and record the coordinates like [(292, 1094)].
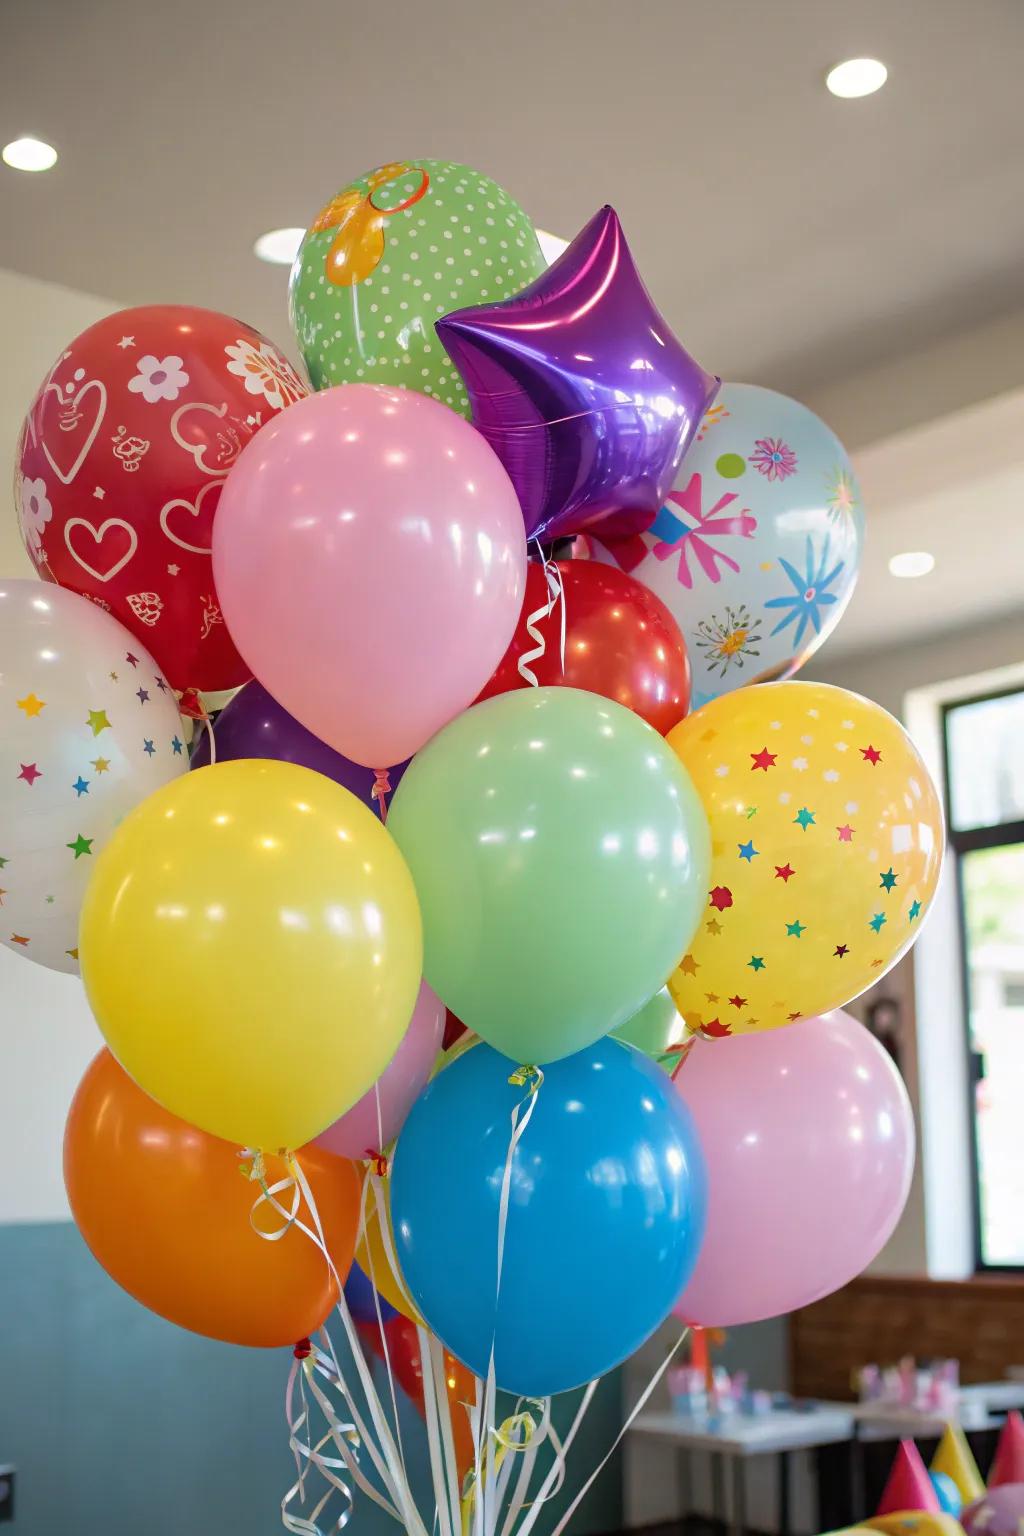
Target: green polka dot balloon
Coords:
[(392, 253)]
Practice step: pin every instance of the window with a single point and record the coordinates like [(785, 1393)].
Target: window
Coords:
[(984, 748)]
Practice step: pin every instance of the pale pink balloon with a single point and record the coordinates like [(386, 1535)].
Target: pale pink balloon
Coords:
[(809, 1141), (360, 1131), (370, 559)]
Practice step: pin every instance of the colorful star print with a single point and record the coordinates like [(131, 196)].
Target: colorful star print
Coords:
[(804, 818), (101, 764), (756, 963), (80, 786), (715, 1029), (713, 926), (176, 746), (845, 834), (98, 721), (792, 1017), (161, 685), (19, 938), (784, 872), (887, 879), (747, 851), (31, 705), (689, 966), (148, 748), (711, 997), (80, 845), (29, 772), (877, 921), (3, 862), (871, 755), (143, 696), (796, 929), (132, 661), (721, 897), (763, 759), (915, 910), (841, 950), (72, 953), (737, 1001)]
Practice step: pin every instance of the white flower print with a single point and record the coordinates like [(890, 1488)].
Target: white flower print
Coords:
[(158, 378), (266, 373), (36, 512)]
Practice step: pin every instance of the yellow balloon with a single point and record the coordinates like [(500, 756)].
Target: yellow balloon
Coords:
[(251, 947), (827, 841), (372, 1256)]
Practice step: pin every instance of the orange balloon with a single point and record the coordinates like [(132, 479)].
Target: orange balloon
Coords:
[(165, 1209)]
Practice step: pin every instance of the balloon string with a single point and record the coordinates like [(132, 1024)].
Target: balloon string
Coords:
[(307, 1455), (637, 1408), (380, 791), (556, 594), (383, 1452), (190, 704)]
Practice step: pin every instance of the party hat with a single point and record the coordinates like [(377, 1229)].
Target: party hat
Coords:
[(1008, 1465), (908, 1485), (955, 1457)]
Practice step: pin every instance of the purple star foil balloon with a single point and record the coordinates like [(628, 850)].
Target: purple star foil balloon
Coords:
[(582, 390)]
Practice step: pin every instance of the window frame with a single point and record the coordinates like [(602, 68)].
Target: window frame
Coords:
[(959, 843)]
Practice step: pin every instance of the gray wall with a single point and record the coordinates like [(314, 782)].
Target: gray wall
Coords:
[(122, 1424)]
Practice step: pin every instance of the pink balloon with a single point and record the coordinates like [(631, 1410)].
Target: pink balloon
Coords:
[(359, 1131), (370, 559), (809, 1140)]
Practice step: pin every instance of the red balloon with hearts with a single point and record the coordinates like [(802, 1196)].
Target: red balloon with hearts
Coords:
[(121, 462), (620, 641)]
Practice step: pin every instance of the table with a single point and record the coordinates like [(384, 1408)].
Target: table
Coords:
[(736, 1437)]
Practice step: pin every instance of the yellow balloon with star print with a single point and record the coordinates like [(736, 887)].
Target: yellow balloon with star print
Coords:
[(827, 838)]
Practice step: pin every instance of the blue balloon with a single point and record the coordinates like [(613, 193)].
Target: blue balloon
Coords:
[(606, 1213), (947, 1493), (359, 1293)]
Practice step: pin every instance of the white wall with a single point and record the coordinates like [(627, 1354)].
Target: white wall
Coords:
[(47, 1035)]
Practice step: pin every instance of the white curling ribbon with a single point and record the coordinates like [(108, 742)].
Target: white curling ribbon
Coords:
[(556, 594), (307, 1455)]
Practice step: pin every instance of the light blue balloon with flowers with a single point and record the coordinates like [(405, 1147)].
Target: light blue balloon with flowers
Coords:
[(756, 550)]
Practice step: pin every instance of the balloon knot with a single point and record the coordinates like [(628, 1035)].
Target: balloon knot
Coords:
[(190, 704), (380, 791), (523, 1075), (303, 1350), (255, 1170), (379, 1161)]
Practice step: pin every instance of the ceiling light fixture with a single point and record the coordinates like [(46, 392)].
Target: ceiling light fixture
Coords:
[(551, 245), (914, 562), (279, 246), (29, 154), (856, 77)]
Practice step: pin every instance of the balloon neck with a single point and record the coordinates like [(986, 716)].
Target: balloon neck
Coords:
[(379, 1161), (380, 791), (303, 1350)]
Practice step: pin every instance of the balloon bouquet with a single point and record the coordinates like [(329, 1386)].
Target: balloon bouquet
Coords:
[(463, 588)]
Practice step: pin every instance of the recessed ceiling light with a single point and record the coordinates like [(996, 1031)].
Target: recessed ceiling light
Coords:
[(551, 245), (29, 155), (857, 77), (914, 562), (281, 246)]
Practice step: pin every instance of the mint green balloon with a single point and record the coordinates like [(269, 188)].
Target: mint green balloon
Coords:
[(654, 1028), (392, 253), (560, 855)]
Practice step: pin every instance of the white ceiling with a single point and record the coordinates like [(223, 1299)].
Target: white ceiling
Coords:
[(785, 233), (864, 255)]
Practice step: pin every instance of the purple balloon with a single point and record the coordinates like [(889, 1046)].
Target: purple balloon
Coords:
[(582, 390), (999, 1512), (255, 725)]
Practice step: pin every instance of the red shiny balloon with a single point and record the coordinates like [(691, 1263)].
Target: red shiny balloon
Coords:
[(121, 461), (620, 641)]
